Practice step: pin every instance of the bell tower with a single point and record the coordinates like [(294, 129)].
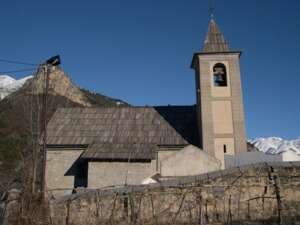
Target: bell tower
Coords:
[(219, 96)]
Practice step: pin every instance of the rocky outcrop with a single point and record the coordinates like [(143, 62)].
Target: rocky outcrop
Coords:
[(60, 84)]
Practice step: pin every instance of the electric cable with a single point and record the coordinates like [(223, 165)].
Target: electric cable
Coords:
[(17, 62), (17, 71)]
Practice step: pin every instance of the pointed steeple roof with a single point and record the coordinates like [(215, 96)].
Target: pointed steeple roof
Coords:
[(215, 41)]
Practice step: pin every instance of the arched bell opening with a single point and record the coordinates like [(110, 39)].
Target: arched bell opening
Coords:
[(220, 75)]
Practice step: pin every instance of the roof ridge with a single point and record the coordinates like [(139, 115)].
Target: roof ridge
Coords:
[(126, 107)]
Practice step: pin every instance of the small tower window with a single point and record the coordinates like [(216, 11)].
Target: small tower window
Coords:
[(220, 75), (225, 148)]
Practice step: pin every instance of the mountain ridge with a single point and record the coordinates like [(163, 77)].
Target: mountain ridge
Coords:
[(276, 145), (8, 84), (60, 84)]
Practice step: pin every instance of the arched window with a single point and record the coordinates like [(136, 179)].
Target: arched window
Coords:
[(220, 75)]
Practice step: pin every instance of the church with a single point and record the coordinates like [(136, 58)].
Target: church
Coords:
[(109, 147)]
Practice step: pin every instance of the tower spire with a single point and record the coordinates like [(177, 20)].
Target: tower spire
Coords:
[(215, 41)]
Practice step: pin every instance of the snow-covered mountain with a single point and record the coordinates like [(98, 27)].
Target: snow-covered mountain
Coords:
[(276, 145), (9, 85)]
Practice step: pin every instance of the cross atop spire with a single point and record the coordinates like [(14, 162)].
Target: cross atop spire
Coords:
[(215, 41), (211, 9)]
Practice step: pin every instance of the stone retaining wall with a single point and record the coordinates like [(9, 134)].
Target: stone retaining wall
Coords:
[(257, 194)]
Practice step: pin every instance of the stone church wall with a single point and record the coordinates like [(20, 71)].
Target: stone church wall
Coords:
[(60, 171), (187, 162), (105, 174), (64, 168), (257, 194)]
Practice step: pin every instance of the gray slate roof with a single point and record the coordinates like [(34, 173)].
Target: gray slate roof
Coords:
[(123, 132), (141, 151), (215, 41)]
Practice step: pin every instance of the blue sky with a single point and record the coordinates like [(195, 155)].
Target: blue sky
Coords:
[(140, 50)]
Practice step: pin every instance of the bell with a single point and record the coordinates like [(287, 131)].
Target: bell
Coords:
[(219, 79), (219, 70)]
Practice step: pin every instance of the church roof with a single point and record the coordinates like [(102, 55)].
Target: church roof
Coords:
[(123, 132), (141, 151), (215, 41)]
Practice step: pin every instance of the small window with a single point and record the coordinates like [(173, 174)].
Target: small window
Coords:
[(220, 75), (225, 148)]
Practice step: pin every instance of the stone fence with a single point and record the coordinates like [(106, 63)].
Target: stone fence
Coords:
[(266, 193)]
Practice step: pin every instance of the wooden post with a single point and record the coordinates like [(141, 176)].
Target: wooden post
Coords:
[(44, 125)]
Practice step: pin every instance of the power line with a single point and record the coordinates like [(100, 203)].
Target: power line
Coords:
[(17, 62), (17, 71)]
